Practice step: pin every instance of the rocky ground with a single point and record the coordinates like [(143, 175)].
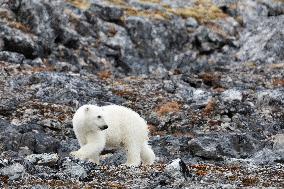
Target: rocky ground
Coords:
[(206, 75)]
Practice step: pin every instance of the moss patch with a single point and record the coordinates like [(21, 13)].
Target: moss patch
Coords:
[(203, 11)]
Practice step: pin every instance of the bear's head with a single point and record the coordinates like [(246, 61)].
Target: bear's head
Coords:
[(92, 117)]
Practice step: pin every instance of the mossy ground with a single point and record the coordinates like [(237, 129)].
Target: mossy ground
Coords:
[(202, 10)]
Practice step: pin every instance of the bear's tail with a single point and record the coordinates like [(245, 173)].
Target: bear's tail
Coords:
[(147, 154)]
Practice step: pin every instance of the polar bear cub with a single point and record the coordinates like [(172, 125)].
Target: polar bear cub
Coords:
[(111, 126)]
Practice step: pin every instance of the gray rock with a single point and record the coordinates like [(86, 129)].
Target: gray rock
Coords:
[(269, 156), (45, 18), (270, 97), (74, 170), (169, 86), (263, 41), (197, 96), (37, 62), (191, 22), (45, 143), (252, 11), (275, 8), (11, 57), (17, 41), (201, 97), (40, 186), (69, 145), (174, 169), (234, 145), (43, 159), (37, 141), (69, 38), (14, 172), (231, 95), (178, 170), (208, 40), (108, 13), (207, 151)]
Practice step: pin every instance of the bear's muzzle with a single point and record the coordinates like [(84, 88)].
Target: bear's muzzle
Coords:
[(104, 127)]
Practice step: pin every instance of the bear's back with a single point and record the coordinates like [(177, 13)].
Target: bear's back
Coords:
[(123, 121)]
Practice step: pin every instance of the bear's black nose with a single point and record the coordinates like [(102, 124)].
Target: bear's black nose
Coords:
[(104, 127)]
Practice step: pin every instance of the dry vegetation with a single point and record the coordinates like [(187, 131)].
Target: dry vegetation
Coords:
[(278, 82), (153, 14), (209, 108), (103, 75), (203, 10), (150, 1), (168, 108), (11, 21), (81, 4)]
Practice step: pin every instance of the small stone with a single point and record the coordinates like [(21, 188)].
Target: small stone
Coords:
[(11, 57), (14, 171), (231, 95), (169, 86), (43, 159), (178, 169), (191, 22), (74, 170)]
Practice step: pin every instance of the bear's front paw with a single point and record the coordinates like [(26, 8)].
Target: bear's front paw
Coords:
[(77, 154), (132, 164)]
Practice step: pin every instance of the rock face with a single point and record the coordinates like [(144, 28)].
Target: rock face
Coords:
[(207, 75), (263, 42)]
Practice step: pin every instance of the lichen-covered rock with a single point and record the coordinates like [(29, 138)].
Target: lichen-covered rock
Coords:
[(263, 41), (42, 159), (11, 57), (14, 172)]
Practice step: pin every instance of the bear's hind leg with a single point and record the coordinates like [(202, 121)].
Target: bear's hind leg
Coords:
[(147, 154)]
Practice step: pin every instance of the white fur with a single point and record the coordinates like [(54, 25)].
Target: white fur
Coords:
[(125, 129)]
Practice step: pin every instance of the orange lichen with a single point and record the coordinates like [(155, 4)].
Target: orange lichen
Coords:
[(209, 108), (103, 75), (201, 173), (200, 167), (250, 181), (210, 79), (278, 82), (19, 26), (168, 108)]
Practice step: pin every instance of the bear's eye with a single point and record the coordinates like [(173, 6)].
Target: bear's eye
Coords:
[(99, 117)]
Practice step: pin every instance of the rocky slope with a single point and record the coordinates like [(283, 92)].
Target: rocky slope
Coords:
[(206, 75)]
